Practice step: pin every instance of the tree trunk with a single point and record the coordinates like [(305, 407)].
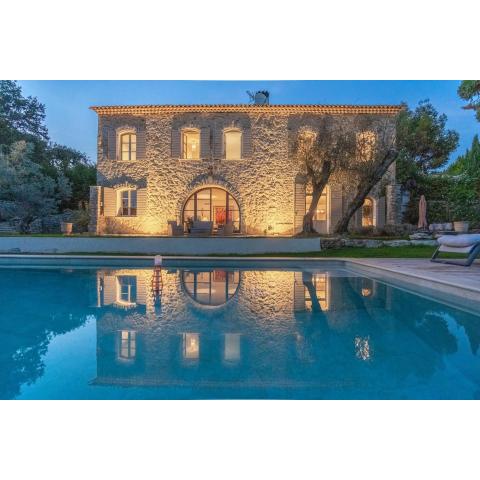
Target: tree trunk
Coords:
[(363, 189), (318, 187)]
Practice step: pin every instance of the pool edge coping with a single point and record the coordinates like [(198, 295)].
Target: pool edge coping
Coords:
[(366, 263)]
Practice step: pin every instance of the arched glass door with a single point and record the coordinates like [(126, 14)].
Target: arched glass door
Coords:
[(212, 205)]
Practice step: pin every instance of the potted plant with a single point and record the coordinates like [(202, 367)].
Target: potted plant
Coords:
[(66, 228), (461, 226)]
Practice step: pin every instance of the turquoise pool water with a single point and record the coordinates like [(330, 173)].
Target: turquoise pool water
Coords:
[(294, 331)]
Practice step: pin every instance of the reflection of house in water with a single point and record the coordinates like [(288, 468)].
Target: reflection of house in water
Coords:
[(267, 329)]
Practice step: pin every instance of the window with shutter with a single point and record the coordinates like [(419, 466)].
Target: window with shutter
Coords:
[(191, 144)]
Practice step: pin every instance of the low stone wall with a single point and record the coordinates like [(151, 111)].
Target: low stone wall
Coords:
[(158, 245), (372, 243)]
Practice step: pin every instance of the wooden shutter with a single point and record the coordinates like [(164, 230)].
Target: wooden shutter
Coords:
[(205, 142), (336, 205), (112, 144), (218, 142), (109, 202), (381, 210), (141, 289), (299, 207), (176, 140), (104, 143), (109, 289), (141, 143), (141, 201), (246, 143)]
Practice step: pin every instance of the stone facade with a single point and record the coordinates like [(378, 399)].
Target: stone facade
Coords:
[(265, 182)]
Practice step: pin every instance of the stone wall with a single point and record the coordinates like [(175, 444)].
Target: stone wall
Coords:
[(263, 183)]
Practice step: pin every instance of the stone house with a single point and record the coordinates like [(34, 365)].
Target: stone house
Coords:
[(219, 163)]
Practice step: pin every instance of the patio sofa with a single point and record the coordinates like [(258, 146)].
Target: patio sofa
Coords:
[(201, 228)]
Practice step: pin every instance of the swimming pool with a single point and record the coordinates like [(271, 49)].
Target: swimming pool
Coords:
[(229, 330)]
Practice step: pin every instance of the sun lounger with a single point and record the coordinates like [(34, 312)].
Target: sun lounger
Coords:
[(468, 244)]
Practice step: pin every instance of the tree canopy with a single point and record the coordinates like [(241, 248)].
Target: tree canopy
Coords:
[(40, 176), (469, 90)]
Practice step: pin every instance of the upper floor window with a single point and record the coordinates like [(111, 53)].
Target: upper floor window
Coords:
[(191, 144), (366, 142), (128, 146), (128, 203), (233, 144)]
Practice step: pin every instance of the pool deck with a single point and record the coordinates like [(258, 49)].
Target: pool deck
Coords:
[(462, 281)]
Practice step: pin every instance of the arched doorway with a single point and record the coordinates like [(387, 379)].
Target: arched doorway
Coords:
[(210, 287), (212, 204), (368, 219)]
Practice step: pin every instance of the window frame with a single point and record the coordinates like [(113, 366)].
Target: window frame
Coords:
[(132, 211), (123, 133), (183, 145), (226, 131)]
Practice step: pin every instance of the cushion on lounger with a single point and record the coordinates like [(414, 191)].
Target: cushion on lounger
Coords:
[(465, 240)]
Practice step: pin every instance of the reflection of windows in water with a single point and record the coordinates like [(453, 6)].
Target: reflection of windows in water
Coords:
[(367, 213), (191, 346), (128, 344), (211, 287), (127, 289), (320, 283), (232, 347), (321, 211)]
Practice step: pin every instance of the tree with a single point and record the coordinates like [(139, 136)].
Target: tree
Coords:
[(21, 118), (23, 182), (376, 149), (426, 143), (319, 152), (469, 90)]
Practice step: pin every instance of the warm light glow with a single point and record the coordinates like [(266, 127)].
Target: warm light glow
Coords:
[(191, 144), (366, 292), (233, 144), (126, 290), (127, 203), (321, 211), (232, 347), (128, 344), (320, 282), (128, 147), (191, 346), (367, 213)]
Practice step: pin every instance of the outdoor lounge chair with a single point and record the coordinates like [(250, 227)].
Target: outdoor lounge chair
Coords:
[(466, 243), (201, 228)]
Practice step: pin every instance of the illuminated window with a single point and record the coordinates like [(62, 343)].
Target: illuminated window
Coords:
[(321, 211), (128, 344), (232, 347), (127, 290), (233, 144), (191, 144), (320, 283), (128, 147), (366, 142), (367, 213), (191, 346), (127, 203)]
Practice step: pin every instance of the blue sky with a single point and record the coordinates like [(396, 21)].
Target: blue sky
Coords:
[(70, 122)]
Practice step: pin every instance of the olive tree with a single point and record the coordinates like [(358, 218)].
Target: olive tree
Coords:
[(320, 150), (376, 148)]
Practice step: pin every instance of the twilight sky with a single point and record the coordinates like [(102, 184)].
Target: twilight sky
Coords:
[(70, 122)]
